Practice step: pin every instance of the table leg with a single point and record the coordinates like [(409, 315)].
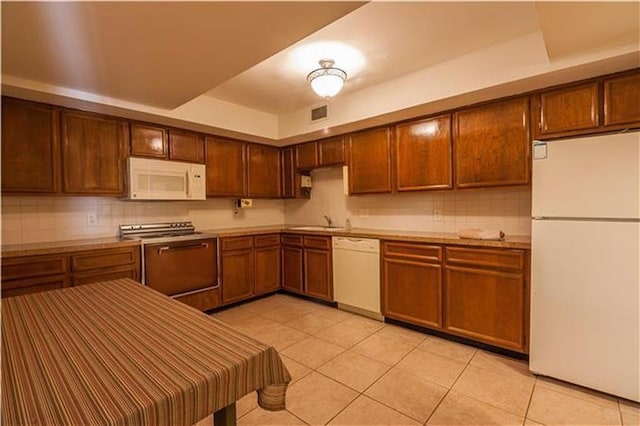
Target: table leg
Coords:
[(225, 416)]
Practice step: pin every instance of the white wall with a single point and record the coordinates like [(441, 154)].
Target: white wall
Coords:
[(508, 209), (43, 218), (39, 218)]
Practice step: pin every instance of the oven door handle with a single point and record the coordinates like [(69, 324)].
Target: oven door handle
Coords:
[(184, 247)]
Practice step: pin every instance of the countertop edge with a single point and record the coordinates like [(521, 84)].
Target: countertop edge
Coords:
[(61, 247)]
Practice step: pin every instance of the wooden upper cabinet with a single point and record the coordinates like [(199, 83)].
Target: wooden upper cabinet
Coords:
[(370, 162), (148, 141), (30, 147), (288, 172), (423, 155), (491, 144), (331, 151), (263, 171), (622, 101), (186, 146), (93, 153), (567, 110), (225, 161), (306, 156)]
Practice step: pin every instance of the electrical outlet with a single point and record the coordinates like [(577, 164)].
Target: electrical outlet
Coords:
[(92, 219), (437, 215)]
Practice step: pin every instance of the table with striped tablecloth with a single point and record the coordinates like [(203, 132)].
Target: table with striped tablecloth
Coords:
[(117, 352)]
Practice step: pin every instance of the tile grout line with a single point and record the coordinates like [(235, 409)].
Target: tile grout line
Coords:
[(533, 390), (450, 387)]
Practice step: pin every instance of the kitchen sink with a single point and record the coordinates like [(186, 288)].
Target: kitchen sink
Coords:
[(317, 228)]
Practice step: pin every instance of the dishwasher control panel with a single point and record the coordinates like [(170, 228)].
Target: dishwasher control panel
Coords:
[(356, 244)]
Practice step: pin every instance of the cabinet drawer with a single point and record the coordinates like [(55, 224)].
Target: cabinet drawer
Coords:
[(322, 243), (98, 259), (33, 285), (203, 300), (107, 275), (237, 243), (503, 259), (292, 240), (267, 240), (32, 266), (422, 252)]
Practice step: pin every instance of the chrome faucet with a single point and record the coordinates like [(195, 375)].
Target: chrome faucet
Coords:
[(328, 219)]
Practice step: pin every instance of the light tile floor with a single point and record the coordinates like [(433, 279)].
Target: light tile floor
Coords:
[(350, 370)]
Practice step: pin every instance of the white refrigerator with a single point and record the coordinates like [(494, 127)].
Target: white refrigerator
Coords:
[(585, 262)]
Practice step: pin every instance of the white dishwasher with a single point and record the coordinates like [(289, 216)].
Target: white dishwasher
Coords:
[(356, 275)]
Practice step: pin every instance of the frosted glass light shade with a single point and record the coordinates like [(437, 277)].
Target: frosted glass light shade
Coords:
[(327, 81)]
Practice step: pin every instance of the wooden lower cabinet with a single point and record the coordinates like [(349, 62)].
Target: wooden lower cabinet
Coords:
[(307, 266), (412, 284), (477, 293), (486, 296), (251, 266), (32, 274), (318, 274), (237, 269), (292, 268), (267, 259)]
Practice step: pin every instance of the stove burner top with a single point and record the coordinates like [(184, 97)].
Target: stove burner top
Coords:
[(156, 230)]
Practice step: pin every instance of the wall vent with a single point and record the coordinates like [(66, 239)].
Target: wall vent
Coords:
[(319, 113)]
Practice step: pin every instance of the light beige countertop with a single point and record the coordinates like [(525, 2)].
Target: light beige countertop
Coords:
[(56, 247), (517, 242), (59, 247)]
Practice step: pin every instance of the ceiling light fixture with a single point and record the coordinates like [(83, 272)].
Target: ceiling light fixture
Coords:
[(327, 81)]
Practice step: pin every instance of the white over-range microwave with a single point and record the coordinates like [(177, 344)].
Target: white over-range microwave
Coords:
[(165, 180)]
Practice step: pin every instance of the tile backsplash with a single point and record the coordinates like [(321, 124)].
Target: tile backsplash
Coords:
[(39, 218), (42, 218), (508, 209)]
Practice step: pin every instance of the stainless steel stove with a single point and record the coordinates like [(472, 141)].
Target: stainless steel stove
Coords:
[(177, 260)]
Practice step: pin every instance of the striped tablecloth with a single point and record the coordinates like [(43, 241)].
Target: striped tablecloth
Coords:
[(117, 352)]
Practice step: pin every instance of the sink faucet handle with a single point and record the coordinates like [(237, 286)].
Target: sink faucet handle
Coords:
[(328, 219)]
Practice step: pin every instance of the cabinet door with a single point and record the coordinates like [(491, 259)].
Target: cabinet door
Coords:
[(370, 162), (93, 152), (267, 269), (318, 274), (226, 163), (292, 268), (567, 110), (103, 265), (148, 141), (33, 285), (491, 144), (30, 147), (263, 171), (622, 101), (186, 146), (306, 156), (331, 151), (486, 305), (423, 155), (412, 292), (288, 173), (237, 275)]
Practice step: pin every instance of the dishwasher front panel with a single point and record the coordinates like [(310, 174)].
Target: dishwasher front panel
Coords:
[(356, 274)]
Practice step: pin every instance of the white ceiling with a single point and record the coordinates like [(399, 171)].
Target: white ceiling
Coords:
[(257, 54), (153, 53)]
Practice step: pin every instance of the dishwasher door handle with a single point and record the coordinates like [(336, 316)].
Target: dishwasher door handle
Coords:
[(186, 247)]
